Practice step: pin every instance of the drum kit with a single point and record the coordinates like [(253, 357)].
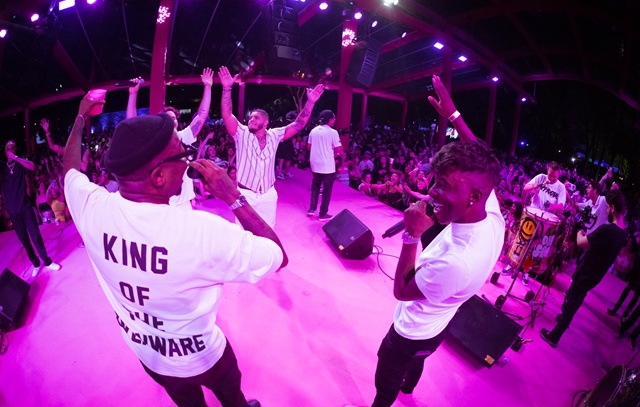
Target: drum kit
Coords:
[(533, 250)]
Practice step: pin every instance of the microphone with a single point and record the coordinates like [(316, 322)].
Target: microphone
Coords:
[(399, 227), (128, 84)]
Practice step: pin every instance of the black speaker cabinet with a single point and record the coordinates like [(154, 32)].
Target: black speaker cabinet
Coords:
[(349, 236), (483, 330), (13, 297), (364, 63)]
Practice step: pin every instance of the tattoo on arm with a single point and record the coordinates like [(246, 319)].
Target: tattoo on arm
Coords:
[(301, 120), (226, 105)]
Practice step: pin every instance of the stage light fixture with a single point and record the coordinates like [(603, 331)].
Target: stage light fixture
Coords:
[(438, 45), (404, 34), (35, 17), (91, 1), (323, 5), (3, 33), (495, 79), (390, 3), (65, 4), (462, 58), (357, 15), (524, 99), (375, 22)]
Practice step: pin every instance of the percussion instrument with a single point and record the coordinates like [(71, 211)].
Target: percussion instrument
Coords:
[(534, 242), (620, 387)]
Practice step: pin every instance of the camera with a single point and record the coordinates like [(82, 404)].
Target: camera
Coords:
[(586, 219)]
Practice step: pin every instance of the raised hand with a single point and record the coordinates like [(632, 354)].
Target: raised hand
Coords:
[(226, 80), (416, 221), (314, 94), (444, 106), (45, 125), (86, 104), (134, 89), (207, 77)]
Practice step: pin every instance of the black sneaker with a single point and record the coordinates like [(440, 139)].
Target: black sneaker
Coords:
[(546, 336), (325, 217)]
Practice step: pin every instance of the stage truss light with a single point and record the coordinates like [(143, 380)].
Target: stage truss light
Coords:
[(495, 79), (462, 58), (374, 24), (35, 17), (390, 3), (357, 15), (323, 6), (65, 4), (3, 33), (438, 45)]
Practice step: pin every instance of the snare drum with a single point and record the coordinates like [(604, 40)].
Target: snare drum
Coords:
[(534, 241), (618, 388)]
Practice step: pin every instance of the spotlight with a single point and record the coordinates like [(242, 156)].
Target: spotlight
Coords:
[(357, 15), (35, 17), (91, 1), (323, 5), (462, 58), (495, 79), (390, 3), (438, 45), (3, 33), (65, 4), (524, 99), (404, 34), (375, 22)]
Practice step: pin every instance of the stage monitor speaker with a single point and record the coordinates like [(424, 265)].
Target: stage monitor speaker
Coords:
[(483, 330), (364, 63), (349, 236), (13, 297)]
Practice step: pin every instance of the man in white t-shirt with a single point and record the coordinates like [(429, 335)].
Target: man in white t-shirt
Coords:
[(453, 267), (324, 144), (188, 135), (549, 193), (598, 205), (256, 146), (162, 268)]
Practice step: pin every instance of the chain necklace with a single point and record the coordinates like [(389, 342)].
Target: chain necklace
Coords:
[(11, 167)]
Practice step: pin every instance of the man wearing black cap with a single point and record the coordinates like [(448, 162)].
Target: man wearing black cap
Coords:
[(324, 143), (256, 146), (162, 268)]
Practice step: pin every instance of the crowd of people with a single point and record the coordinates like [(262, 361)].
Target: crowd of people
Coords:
[(471, 188)]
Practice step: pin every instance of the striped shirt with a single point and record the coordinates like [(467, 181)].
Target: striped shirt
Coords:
[(255, 166)]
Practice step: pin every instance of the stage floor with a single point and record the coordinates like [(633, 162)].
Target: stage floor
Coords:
[(306, 336)]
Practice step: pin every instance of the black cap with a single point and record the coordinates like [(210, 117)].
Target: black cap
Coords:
[(137, 141), (326, 116)]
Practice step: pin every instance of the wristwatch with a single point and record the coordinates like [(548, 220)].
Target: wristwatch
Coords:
[(240, 201), (408, 239)]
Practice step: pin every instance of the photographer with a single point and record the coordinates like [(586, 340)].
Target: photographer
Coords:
[(597, 205), (601, 248)]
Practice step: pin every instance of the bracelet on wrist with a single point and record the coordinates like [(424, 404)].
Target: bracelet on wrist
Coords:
[(408, 239), (454, 116), (226, 89)]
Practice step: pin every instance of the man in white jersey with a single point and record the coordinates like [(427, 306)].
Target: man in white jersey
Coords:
[(187, 135), (256, 146), (324, 143), (597, 204), (162, 268), (549, 193), (453, 267)]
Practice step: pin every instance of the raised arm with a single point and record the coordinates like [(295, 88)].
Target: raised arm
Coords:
[(203, 110), (203, 146), (53, 146), (303, 117), (24, 162), (72, 158), (446, 108), (133, 98), (226, 105)]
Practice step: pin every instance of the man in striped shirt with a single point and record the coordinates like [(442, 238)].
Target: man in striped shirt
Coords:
[(256, 147)]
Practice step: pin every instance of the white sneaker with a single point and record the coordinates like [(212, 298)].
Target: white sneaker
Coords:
[(35, 271), (54, 267), (525, 279)]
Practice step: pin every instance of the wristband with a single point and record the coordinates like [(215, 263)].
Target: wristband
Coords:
[(454, 116), (82, 117), (408, 239)]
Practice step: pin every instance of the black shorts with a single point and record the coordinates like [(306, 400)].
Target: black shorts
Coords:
[(285, 150)]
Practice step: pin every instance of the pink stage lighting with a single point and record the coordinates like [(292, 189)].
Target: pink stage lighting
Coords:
[(323, 6), (35, 17), (3, 33)]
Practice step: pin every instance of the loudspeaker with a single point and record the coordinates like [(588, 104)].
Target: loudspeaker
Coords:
[(364, 63), (483, 330), (13, 297), (349, 236)]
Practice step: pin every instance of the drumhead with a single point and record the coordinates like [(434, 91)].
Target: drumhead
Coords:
[(540, 214), (607, 388)]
